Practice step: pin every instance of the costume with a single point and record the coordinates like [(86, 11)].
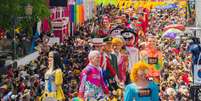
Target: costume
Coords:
[(53, 84), (154, 59), (108, 69), (92, 85), (115, 57), (134, 93), (106, 65), (59, 82), (133, 55), (122, 68), (50, 87)]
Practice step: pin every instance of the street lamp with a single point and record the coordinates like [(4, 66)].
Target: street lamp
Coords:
[(28, 10)]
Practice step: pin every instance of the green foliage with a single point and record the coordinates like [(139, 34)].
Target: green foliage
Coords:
[(13, 9)]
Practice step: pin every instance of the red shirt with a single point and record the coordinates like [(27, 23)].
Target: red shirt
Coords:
[(185, 78)]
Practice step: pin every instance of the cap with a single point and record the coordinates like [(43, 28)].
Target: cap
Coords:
[(107, 39)]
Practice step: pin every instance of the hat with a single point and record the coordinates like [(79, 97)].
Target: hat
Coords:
[(4, 87), (150, 36), (97, 41), (107, 39)]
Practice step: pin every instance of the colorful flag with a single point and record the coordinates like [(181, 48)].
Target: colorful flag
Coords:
[(71, 13)]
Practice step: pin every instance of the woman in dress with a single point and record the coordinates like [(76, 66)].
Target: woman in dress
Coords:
[(54, 78), (141, 89)]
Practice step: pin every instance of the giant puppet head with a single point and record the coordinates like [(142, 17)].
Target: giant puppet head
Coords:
[(129, 36), (116, 31), (117, 43)]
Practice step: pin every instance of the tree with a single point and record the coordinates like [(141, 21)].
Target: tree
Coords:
[(12, 9)]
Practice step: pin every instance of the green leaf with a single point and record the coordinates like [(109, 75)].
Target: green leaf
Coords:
[(11, 9)]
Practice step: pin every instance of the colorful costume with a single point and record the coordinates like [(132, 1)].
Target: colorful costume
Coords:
[(106, 65), (133, 54), (114, 61), (92, 85), (53, 84), (134, 93), (154, 59), (58, 83), (122, 67), (108, 69), (50, 87)]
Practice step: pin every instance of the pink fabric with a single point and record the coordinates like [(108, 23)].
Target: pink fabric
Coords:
[(46, 27), (66, 12), (185, 78), (94, 76), (108, 65), (122, 69)]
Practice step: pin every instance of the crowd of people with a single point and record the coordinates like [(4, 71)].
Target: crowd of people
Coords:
[(116, 53)]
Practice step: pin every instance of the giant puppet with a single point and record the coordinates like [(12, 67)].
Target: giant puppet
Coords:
[(153, 57)]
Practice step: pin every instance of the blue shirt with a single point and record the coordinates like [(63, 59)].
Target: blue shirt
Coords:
[(133, 93), (195, 49)]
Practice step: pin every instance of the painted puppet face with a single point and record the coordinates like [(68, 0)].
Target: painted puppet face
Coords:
[(117, 47), (141, 74), (50, 60)]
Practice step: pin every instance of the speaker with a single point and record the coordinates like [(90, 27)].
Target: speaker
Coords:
[(195, 92), (58, 3)]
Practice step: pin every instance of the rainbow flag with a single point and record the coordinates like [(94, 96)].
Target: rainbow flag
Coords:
[(71, 13), (76, 12), (79, 12)]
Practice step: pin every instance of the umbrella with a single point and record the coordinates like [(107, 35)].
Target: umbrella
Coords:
[(171, 33), (176, 26)]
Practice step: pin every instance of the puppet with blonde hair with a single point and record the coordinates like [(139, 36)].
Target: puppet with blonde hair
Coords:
[(116, 56), (54, 78), (141, 89)]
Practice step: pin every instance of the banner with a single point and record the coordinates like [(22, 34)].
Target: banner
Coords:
[(125, 4), (53, 40)]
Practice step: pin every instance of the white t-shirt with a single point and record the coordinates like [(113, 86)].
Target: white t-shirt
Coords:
[(133, 56)]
